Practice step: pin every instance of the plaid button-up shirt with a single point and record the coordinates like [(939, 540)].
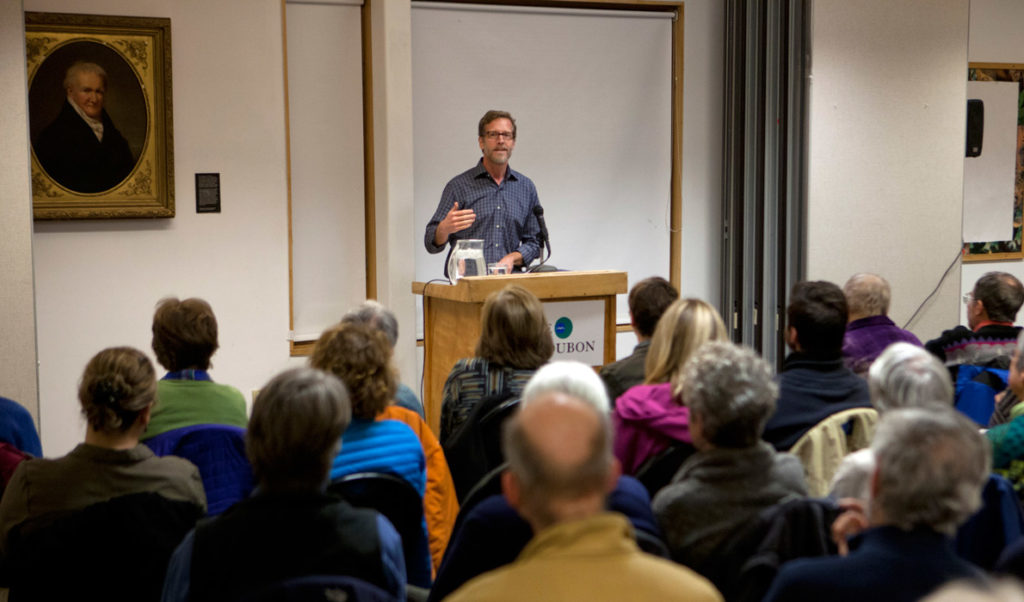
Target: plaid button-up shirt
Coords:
[(504, 213)]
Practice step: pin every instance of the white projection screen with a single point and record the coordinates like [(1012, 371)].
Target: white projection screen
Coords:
[(591, 92)]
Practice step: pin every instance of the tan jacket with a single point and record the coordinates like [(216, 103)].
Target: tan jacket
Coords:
[(822, 449), (594, 558)]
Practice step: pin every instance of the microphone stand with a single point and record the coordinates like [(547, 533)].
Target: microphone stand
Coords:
[(545, 242)]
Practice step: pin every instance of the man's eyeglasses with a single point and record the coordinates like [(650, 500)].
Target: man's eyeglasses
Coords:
[(492, 135), (968, 297)]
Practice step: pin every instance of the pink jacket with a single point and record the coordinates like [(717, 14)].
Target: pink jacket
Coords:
[(647, 420)]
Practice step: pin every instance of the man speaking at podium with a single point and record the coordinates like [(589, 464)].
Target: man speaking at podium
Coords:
[(491, 201)]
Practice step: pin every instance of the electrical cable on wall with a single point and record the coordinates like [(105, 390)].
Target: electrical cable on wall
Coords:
[(956, 260)]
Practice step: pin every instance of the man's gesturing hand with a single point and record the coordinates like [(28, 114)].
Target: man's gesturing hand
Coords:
[(456, 221)]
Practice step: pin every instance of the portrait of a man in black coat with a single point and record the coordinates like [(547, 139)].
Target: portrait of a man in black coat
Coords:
[(82, 149)]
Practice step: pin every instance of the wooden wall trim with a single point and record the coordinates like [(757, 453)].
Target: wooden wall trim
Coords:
[(369, 173)]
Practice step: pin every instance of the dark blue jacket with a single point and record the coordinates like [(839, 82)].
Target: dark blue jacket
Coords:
[(810, 390), (17, 428), (886, 563)]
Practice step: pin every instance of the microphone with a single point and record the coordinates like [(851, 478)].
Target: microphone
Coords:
[(538, 212), (545, 241)]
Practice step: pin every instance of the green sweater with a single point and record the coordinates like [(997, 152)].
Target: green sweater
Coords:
[(189, 402)]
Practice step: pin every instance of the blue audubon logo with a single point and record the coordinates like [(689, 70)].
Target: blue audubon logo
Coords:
[(563, 327)]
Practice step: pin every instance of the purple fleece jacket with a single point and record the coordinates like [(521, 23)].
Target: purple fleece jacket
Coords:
[(647, 420)]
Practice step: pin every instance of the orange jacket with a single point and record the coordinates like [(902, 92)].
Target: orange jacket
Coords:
[(439, 502)]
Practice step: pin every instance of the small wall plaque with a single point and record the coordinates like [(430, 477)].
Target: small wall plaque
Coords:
[(207, 193)]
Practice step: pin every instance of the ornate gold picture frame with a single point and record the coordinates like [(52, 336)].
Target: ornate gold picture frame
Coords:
[(100, 116)]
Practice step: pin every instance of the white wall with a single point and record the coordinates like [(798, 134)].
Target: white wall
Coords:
[(97, 282), (994, 38), (325, 112), (886, 147), (17, 306), (702, 150), (395, 231)]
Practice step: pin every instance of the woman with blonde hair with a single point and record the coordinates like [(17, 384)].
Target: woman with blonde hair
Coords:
[(651, 417)]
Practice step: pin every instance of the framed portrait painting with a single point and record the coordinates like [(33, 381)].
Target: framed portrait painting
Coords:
[(99, 92)]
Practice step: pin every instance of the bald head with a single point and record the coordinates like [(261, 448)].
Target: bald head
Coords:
[(867, 295), (560, 461), (561, 430)]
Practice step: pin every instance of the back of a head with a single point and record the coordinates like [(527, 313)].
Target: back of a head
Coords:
[(360, 356), (1001, 294), (932, 465), (295, 429), (867, 295), (731, 389), (184, 334), (559, 449), (684, 327), (575, 379), (648, 300), (118, 383), (513, 330), (905, 375), (817, 310), (376, 315)]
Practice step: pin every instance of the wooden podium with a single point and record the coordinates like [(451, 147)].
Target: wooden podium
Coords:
[(451, 318)]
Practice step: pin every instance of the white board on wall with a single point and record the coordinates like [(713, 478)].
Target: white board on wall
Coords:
[(989, 178), (325, 97), (591, 92)]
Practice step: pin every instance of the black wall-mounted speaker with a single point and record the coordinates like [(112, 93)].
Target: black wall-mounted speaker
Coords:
[(975, 126)]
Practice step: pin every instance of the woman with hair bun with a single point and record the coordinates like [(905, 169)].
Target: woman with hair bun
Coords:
[(51, 500)]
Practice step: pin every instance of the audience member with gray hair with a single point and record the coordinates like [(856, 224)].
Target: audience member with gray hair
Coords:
[(383, 319), (931, 467), (734, 474), (570, 378), (290, 528), (869, 330), (561, 469), (903, 376)]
